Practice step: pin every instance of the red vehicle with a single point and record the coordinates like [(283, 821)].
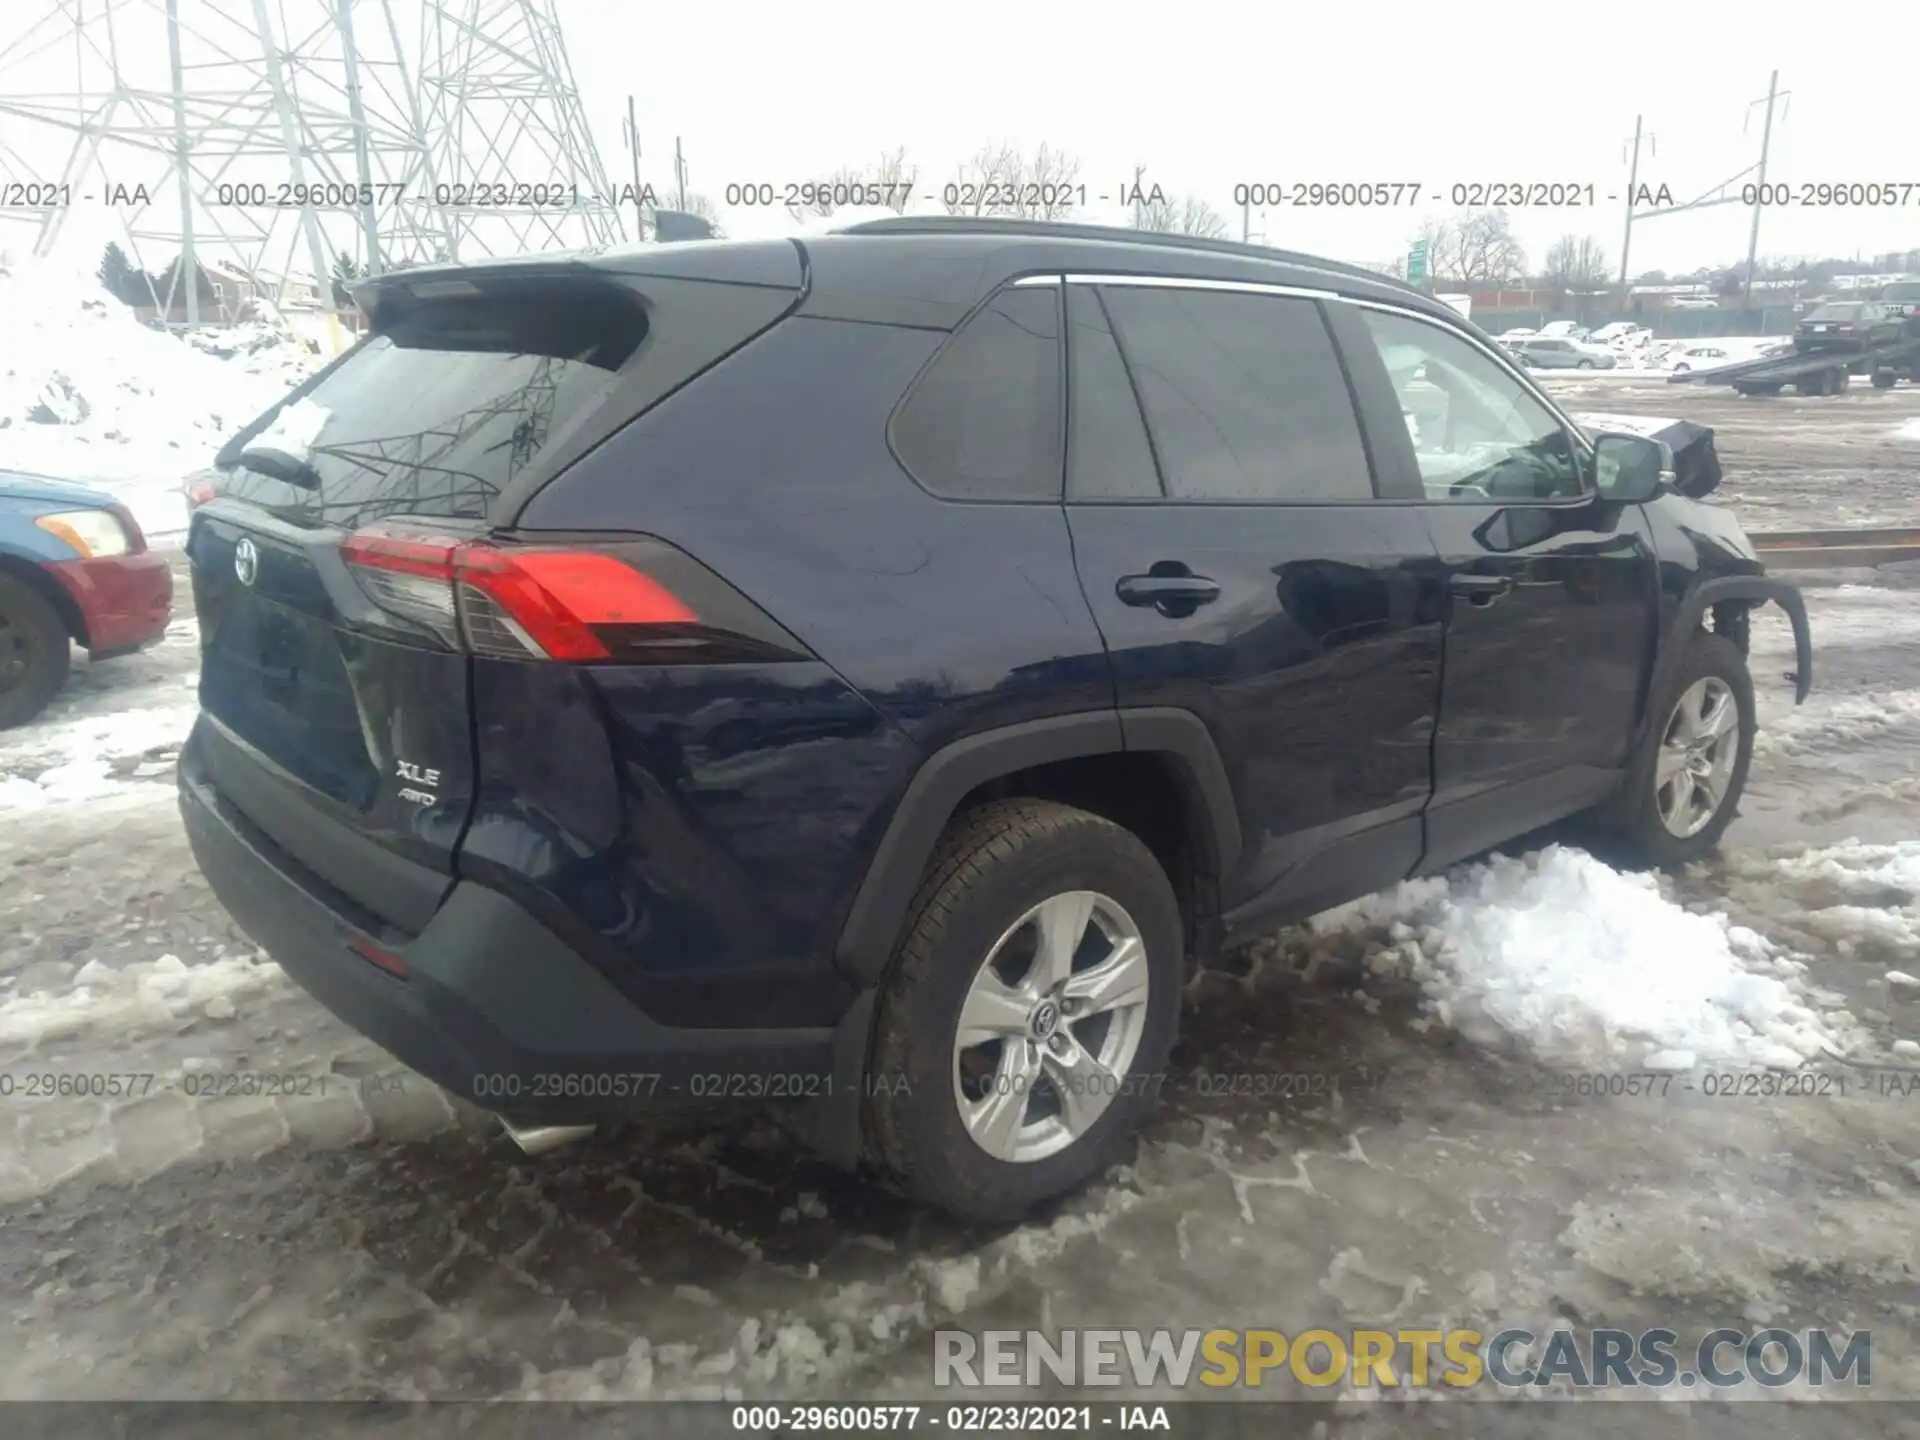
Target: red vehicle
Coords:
[(74, 569)]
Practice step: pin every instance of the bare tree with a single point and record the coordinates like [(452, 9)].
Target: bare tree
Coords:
[(895, 177), (1576, 262), (1188, 216), (888, 183), (1477, 248), (977, 181), (823, 202), (999, 180)]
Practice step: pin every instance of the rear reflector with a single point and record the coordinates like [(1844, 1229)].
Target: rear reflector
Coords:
[(373, 954), (635, 601)]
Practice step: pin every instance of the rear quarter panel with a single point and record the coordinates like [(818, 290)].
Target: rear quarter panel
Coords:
[(746, 801)]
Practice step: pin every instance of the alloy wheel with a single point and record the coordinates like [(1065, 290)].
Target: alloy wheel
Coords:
[(1699, 749), (1050, 1026)]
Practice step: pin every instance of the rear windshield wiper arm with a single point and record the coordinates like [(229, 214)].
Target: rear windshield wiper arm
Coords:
[(281, 465)]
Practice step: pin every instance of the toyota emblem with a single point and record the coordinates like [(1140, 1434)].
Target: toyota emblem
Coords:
[(246, 561)]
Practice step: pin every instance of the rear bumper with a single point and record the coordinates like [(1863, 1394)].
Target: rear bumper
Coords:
[(494, 1007), (125, 600)]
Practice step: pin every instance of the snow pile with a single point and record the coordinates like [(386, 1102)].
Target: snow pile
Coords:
[(1858, 897), (1576, 961), (86, 759), (1908, 430), (1842, 727), (88, 393), (147, 993)]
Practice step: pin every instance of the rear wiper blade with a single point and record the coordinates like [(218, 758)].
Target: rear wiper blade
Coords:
[(281, 465)]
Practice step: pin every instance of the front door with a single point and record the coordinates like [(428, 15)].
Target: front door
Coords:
[(1552, 591)]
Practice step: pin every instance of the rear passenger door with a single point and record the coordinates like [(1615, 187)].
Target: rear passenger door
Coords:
[(1224, 524)]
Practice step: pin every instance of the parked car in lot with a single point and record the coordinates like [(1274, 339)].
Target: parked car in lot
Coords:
[(1683, 358), (1847, 326), (74, 570), (790, 671), (1902, 298), (1620, 332), (1555, 352), (1565, 330)]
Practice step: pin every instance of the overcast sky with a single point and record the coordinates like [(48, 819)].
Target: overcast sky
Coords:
[(1207, 95)]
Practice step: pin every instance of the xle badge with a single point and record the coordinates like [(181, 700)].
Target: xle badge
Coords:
[(419, 776)]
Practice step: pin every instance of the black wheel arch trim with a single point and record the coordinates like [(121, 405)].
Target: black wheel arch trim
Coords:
[(949, 774), (1701, 597), (1760, 589)]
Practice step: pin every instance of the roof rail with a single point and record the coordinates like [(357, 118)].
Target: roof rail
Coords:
[(1074, 230)]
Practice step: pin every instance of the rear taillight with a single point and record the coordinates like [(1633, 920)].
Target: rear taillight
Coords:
[(198, 491), (634, 602)]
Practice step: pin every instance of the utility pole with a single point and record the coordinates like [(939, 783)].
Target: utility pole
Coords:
[(633, 144), (679, 176), (1246, 219), (1760, 187), (1633, 179), (1139, 204)]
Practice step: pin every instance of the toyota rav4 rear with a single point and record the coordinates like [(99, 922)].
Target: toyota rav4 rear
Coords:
[(505, 801)]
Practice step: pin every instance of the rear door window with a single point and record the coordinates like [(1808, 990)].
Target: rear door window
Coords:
[(984, 421), (1243, 393), (1108, 454)]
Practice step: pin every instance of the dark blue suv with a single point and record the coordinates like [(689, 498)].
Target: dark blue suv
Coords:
[(866, 673)]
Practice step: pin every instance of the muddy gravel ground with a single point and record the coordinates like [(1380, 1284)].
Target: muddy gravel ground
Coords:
[(1793, 462), (369, 1236)]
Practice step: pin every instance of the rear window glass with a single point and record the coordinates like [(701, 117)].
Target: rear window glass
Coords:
[(438, 414), (984, 422), (1837, 312)]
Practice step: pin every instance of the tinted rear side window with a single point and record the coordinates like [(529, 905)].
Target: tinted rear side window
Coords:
[(1108, 454), (983, 423), (456, 399), (1243, 394)]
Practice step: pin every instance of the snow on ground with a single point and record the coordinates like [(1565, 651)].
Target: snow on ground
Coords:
[(88, 393), (1576, 962), (91, 757), (1908, 430)]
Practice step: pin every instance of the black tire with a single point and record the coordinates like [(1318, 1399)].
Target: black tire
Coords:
[(995, 864), (1708, 657), (1884, 379), (34, 652)]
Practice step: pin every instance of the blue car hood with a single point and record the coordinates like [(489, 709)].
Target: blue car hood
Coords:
[(45, 490)]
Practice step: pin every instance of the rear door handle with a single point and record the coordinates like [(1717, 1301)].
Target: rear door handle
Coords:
[(1162, 591), (1481, 589)]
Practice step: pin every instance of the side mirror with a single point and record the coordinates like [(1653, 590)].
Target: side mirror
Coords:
[(1631, 468)]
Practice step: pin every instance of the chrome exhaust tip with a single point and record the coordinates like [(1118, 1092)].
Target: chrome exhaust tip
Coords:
[(539, 1139)]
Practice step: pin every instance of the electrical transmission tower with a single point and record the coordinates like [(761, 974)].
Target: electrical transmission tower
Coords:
[(272, 137), (508, 134)]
